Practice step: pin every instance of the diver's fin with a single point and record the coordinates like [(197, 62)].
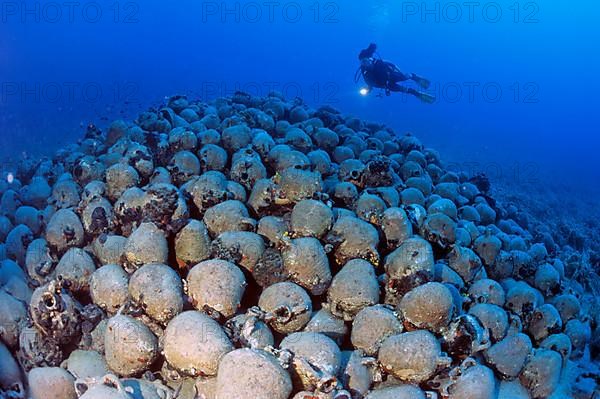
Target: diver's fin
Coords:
[(426, 98), (424, 83)]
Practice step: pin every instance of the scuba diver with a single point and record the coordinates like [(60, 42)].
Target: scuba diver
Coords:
[(384, 75)]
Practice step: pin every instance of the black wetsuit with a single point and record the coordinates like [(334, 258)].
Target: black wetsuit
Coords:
[(381, 74), (384, 75)]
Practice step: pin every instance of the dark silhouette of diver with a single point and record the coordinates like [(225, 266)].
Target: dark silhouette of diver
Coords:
[(384, 75)]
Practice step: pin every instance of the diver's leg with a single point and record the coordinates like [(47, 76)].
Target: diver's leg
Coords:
[(395, 87), (427, 98), (398, 76)]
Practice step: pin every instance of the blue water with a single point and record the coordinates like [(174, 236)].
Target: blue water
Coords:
[(516, 82)]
